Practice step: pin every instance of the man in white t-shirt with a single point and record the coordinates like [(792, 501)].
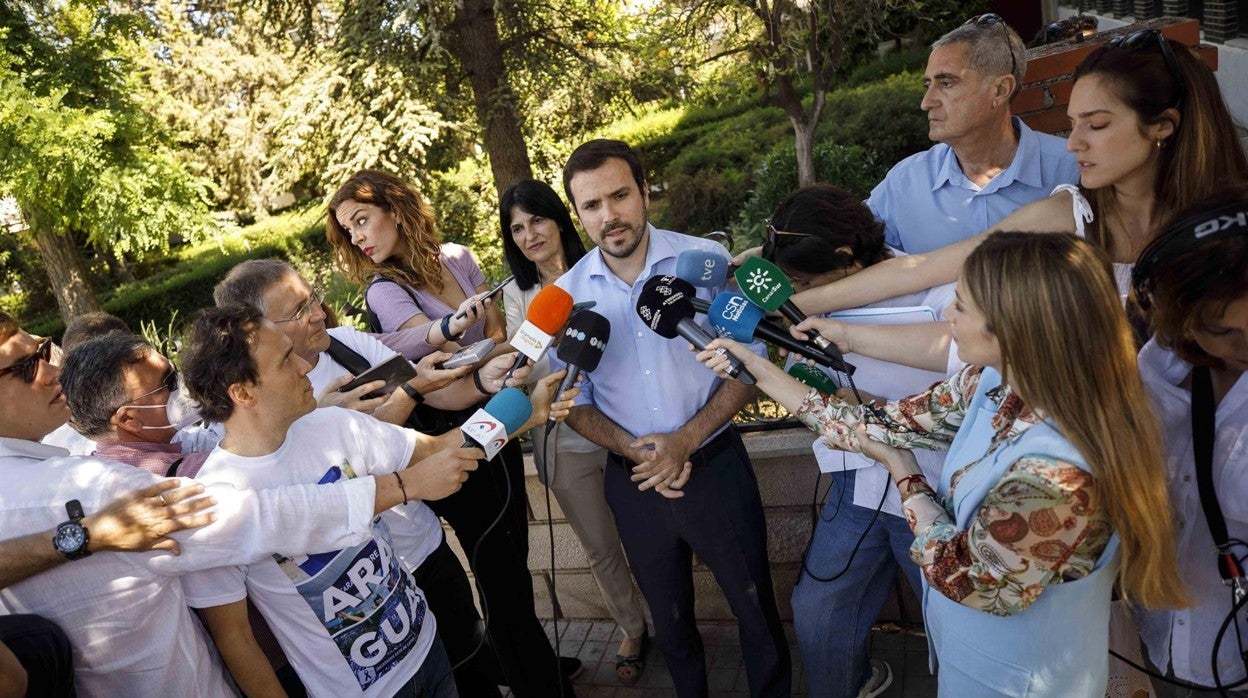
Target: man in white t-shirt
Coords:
[(125, 614), (289, 301), (351, 621)]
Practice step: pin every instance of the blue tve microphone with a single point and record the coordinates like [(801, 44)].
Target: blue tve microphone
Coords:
[(489, 426), (702, 269), (735, 317)]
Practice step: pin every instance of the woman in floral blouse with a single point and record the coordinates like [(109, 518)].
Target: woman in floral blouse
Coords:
[(1024, 537)]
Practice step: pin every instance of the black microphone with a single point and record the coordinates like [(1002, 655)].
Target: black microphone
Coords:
[(665, 306), (581, 348)]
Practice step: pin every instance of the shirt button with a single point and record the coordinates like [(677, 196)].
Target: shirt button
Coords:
[(647, 371), (1187, 478), (1180, 621), (1182, 524), (654, 409), (638, 334)]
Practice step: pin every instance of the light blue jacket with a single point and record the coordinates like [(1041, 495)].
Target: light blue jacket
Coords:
[(1058, 646)]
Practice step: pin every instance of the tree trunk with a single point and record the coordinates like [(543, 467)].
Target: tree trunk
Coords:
[(804, 144), (476, 45), (117, 267), (67, 272)]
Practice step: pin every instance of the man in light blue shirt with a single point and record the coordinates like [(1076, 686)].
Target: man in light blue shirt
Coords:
[(987, 164), (678, 479)]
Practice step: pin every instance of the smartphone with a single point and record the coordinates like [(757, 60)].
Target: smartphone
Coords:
[(469, 355), (395, 371), (494, 291)]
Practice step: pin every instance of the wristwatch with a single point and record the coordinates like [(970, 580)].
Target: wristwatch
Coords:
[(71, 538)]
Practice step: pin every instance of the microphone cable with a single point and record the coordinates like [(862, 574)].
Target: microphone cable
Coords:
[(1236, 606), (550, 530)]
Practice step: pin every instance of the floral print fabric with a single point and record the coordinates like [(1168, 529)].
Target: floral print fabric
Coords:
[(1040, 525)]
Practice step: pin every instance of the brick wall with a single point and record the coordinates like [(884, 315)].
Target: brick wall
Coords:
[(1046, 86)]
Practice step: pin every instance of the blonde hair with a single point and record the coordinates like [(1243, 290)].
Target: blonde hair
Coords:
[(415, 260), (1051, 302)]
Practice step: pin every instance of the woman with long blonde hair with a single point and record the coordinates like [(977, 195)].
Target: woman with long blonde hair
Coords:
[(1052, 490)]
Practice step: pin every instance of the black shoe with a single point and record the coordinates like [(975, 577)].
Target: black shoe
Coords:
[(571, 667)]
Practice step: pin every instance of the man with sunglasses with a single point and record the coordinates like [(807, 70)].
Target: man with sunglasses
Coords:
[(125, 614), (987, 163)]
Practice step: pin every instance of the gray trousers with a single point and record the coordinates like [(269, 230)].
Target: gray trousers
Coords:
[(578, 487)]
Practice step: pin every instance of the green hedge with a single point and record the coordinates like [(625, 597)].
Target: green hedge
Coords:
[(178, 291)]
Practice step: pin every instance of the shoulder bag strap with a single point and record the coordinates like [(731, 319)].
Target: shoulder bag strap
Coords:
[(1203, 416), (347, 357)]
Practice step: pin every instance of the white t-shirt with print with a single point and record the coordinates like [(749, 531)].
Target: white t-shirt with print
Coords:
[(351, 621), (414, 528)]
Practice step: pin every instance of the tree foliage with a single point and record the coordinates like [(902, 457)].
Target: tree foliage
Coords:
[(82, 157)]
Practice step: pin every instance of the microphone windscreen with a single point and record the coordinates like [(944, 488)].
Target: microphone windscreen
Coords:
[(550, 309), (813, 377), (763, 283), (584, 340), (702, 269), (734, 316), (511, 407), (664, 302)]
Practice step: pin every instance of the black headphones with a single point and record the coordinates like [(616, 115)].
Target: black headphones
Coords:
[(1183, 235)]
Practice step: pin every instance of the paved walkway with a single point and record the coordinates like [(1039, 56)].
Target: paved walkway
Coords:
[(595, 643)]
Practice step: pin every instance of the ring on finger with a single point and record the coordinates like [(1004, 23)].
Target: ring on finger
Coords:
[(163, 503)]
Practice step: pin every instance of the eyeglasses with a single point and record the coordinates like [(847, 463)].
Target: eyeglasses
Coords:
[(1142, 39), (170, 382), (994, 18), (314, 299), (773, 235), (28, 366)]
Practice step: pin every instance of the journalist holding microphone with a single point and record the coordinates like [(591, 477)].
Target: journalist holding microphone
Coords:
[(678, 480), (1052, 490)]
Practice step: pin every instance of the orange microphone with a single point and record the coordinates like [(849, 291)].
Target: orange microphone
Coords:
[(548, 313)]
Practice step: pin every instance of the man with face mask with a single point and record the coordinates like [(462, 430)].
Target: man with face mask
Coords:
[(126, 396)]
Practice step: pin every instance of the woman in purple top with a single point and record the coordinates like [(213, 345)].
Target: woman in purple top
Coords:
[(383, 233), (424, 294)]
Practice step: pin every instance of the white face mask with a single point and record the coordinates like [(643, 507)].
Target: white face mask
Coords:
[(180, 409)]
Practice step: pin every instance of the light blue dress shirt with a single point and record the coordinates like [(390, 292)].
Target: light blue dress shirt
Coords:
[(926, 201), (645, 383)]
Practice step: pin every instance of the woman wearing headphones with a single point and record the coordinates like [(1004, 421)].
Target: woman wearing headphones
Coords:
[(1194, 280)]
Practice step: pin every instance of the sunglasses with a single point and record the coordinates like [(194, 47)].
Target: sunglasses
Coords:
[(28, 366), (1142, 39), (773, 236), (170, 382), (994, 18), (313, 300)]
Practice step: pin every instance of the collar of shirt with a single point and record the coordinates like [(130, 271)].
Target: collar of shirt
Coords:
[(10, 447), (1025, 167)]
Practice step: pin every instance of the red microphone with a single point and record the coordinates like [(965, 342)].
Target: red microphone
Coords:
[(548, 313)]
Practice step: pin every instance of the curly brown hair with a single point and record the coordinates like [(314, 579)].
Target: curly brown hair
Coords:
[(415, 259)]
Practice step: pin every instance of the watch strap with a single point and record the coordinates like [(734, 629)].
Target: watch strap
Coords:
[(413, 393), (74, 509)]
